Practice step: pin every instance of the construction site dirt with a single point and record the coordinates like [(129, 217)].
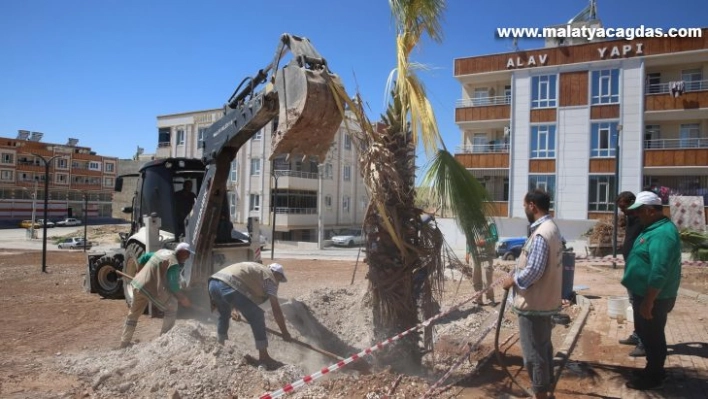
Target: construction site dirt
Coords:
[(57, 341)]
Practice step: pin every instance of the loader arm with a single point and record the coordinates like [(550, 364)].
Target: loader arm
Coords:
[(301, 97)]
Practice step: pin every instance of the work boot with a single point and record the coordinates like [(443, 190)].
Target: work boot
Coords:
[(631, 340), (646, 384), (221, 339), (638, 351), (124, 345)]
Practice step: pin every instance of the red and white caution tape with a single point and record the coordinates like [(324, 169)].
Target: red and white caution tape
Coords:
[(339, 365)]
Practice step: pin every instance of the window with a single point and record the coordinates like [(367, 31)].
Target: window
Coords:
[(653, 83), (690, 135), (605, 86), (364, 202), (62, 163), (110, 167), (94, 165), (180, 137), (298, 166), (693, 78), (507, 94), (345, 204), (62, 178), (543, 141), (546, 183), (7, 175), (200, 137), (233, 175), (543, 91), (328, 171), (107, 182), (258, 135), (479, 142), (602, 193), (347, 142), (163, 137), (347, 171), (255, 202), (232, 204), (7, 158), (603, 139), (480, 96), (255, 167), (328, 201), (652, 135)]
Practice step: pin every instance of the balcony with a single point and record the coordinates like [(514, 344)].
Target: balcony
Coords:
[(491, 147), (293, 217), (483, 109), (664, 88), (297, 180), (676, 152), (660, 97)]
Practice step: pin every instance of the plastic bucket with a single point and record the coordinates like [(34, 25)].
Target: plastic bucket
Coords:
[(617, 306), (630, 314)]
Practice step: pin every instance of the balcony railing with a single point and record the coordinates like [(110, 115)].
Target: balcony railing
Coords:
[(674, 144), (483, 101), (491, 147), (296, 211), (163, 144), (664, 88), (295, 173)]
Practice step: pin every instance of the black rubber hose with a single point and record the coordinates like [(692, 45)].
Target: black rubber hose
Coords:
[(500, 359)]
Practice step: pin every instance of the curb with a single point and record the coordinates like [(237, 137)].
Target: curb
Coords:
[(563, 354)]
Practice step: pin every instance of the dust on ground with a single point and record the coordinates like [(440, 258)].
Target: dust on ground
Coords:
[(58, 341), (100, 234)]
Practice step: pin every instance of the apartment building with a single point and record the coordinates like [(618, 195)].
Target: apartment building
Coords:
[(79, 179), (559, 118), (254, 177)]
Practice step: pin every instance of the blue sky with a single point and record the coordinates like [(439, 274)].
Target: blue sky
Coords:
[(101, 71)]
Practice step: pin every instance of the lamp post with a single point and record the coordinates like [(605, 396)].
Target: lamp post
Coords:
[(47, 162), (320, 206), (273, 205), (615, 217), (85, 219), (34, 208)]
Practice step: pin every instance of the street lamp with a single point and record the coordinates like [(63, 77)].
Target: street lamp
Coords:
[(320, 206), (85, 218), (273, 205), (47, 162)]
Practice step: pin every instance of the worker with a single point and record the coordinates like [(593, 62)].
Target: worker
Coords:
[(158, 282), (244, 286), (487, 253), (184, 199)]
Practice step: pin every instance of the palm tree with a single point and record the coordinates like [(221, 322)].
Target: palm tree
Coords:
[(405, 250)]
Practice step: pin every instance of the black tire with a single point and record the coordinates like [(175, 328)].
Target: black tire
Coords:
[(105, 279), (509, 256), (132, 254)]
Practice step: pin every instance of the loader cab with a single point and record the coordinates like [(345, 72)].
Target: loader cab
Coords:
[(160, 188)]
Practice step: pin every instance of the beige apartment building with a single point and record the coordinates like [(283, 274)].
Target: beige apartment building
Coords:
[(79, 179), (560, 118), (253, 178)]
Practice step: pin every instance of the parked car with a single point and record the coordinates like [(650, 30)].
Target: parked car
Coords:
[(245, 236), (69, 222), (28, 223), (348, 238), (506, 244), (50, 224), (513, 253), (74, 243)]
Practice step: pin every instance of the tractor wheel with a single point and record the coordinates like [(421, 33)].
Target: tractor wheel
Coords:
[(105, 279), (132, 254)]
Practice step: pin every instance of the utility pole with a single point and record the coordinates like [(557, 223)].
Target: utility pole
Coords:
[(615, 217), (273, 205), (47, 162), (85, 219), (34, 208), (320, 206)]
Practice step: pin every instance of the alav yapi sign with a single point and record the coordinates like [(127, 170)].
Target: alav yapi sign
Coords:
[(626, 50)]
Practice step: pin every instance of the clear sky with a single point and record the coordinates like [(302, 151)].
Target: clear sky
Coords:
[(101, 71)]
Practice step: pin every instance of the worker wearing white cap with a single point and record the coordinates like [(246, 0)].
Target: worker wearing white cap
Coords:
[(157, 282), (244, 286)]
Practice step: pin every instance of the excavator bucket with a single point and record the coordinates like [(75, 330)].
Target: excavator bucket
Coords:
[(309, 117)]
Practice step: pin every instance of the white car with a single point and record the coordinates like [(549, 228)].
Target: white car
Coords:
[(69, 222), (348, 238), (245, 237)]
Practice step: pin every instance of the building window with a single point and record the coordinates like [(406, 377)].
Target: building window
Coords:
[(232, 204), (163, 137), (543, 141), (653, 83), (652, 136), (200, 137), (605, 86), (8, 158), (345, 204), (180, 137), (107, 182), (602, 193), (258, 135), (347, 173), (110, 167), (347, 142), (255, 167), (7, 175), (328, 201), (62, 178), (546, 183), (62, 163), (255, 202), (543, 91), (364, 203), (94, 165), (328, 171), (603, 139), (480, 96), (233, 174), (693, 79), (507, 94), (690, 135)]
